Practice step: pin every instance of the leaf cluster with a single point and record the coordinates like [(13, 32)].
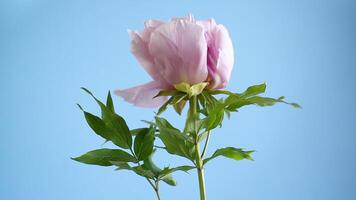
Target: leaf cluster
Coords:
[(135, 147)]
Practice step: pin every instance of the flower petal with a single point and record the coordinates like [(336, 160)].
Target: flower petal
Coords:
[(180, 50), (139, 49), (220, 57), (143, 95)]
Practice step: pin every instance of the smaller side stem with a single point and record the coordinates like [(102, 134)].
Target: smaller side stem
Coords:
[(157, 191), (205, 145), (155, 186)]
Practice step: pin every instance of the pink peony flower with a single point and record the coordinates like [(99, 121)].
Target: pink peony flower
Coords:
[(182, 50)]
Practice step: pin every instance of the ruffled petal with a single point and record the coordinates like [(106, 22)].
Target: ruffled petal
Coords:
[(180, 49), (143, 95), (220, 57), (150, 26)]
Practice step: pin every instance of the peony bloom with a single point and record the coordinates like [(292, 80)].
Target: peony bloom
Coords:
[(182, 50)]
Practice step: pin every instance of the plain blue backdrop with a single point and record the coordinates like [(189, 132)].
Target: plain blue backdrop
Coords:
[(302, 49)]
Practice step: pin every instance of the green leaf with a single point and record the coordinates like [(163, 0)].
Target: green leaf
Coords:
[(254, 90), (139, 170), (167, 93), (166, 174), (176, 142), (143, 145), (104, 110), (96, 124), (100, 128), (109, 103), (257, 100), (215, 92), (104, 157), (117, 125), (150, 165), (178, 107), (167, 170), (164, 106), (230, 152), (235, 101), (137, 131), (215, 115), (169, 180)]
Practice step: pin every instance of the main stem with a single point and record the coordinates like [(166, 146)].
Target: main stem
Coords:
[(198, 159)]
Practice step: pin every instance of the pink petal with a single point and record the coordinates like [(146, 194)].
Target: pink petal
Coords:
[(189, 18), (150, 26), (208, 25), (220, 57), (143, 95), (180, 50), (140, 50)]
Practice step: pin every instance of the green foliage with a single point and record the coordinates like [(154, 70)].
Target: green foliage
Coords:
[(112, 127), (115, 128), (177, 101), (105, 157), (166, 171), (137, 131), (143, 144), (175, 142), (109, 103), (230, 152), (139, 170), (207, 112), (249, 97)]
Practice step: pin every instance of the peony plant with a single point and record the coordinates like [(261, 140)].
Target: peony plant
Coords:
[(190, 62)]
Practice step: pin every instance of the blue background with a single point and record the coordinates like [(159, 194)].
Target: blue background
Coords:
[(302, 49)]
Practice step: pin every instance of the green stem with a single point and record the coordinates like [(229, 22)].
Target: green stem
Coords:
[(198, 159), (205, 145), (155, 186), (157, 191)]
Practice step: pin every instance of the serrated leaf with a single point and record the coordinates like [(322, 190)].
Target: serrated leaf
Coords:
[(143, 145), (230, 152), (105, 157)]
